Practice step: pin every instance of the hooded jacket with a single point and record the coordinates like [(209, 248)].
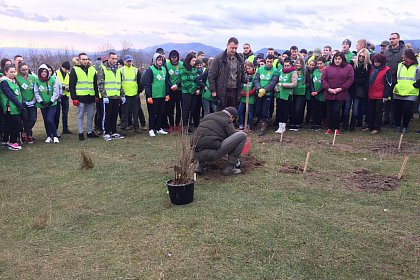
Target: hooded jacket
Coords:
[(148, 77), (174, 70), (50, 82)]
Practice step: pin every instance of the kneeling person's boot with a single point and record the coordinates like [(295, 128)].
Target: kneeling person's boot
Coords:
[(263, 129), (199, 168), (231, 170)]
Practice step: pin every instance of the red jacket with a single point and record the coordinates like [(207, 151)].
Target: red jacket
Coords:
[(379, 85)]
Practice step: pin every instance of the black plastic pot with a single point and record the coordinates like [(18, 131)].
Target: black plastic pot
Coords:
[(180, 194)]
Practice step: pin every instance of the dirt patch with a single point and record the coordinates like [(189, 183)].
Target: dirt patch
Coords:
[(363, 179), (291, 169), (249, 162), (392, 148)]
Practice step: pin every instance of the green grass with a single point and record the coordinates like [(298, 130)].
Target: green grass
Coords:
[(115, 221)]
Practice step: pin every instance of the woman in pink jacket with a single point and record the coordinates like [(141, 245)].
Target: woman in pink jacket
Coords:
[(336, 81)]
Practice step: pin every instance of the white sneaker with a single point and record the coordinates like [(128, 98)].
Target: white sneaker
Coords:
[(279, 129), (107, 137), (117, 136), (152, 133), (48, 140), (161, 132), (56, 140)]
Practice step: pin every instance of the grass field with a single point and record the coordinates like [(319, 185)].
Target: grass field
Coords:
[(115, 221)]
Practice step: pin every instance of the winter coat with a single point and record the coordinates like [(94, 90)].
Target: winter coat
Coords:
[(337, 77), (218, 75)]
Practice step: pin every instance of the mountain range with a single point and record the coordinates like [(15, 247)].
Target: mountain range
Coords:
[(182, 48)]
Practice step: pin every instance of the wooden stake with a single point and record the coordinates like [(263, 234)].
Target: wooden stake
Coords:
[(195, 177), (306, 162), (335, 135), (399, 144), (403, 167), (281, 137)]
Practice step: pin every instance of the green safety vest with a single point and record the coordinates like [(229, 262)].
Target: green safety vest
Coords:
[(159, 83), (405, 80), (173, 71), (6, 104), (317, 84), (266, 75), (284, 93), (112, 82), (26, 86), (300, 88), (84, 84), (245, 88), (251, 58), (128, 79), (64, 81), (46, 91)]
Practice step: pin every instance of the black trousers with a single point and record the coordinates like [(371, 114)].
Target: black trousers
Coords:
[(375, 111), (12, 127), (318, 110), (128, 109), (99, 115), (298, 110), (283, 109), (191, 105), (111, 115), (402, 111), (333, 113), (156, 111), (174, 104)]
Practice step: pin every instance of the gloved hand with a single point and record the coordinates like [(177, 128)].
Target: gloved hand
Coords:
[(149, 100), (167, 98), (96, 99), (123, 100), (416, 85), (261, 92), (76, 102), (30, 103), (67, 88), (243, 93), (48, 104), (43, 103), (106, 100)]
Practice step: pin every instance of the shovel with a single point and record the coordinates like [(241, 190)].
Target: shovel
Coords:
[(247, 146)]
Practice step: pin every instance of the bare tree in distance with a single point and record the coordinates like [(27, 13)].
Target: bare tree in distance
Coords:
[(126, 47)]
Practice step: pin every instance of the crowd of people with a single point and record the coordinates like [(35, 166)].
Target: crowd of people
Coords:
[(335, 90)]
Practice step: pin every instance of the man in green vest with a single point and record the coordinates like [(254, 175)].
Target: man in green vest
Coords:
[(64, 77), (131, 87), (265, 80), (109, 86), (84, 92)]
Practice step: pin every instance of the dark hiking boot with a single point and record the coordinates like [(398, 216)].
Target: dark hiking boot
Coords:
[(199, 168), (231, 170)]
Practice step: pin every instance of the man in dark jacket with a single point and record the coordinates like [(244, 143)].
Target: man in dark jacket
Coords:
[(393, 58), (226, 75), (216, 137)]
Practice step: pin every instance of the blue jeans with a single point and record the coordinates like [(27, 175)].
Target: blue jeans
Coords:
[(208, 106), (354, 109), (29, 119), (241, 113), (262, 107)]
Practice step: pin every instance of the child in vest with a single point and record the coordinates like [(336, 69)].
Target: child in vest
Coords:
[(265, 81), (11, 104), (248, 88), (191, 97), (46, 94), (156, 90), (284, 93), (26, 83), (319, 107), (207, 100), (299, 96)]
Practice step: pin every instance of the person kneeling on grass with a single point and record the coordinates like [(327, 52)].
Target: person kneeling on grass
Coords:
[(216, 137)]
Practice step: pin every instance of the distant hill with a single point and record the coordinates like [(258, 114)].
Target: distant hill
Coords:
[(264, 51), (184, 49)]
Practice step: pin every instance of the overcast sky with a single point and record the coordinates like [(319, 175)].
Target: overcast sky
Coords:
[(89, 24)]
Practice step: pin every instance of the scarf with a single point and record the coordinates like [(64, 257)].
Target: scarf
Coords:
[(374, 74), (288, 70)]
